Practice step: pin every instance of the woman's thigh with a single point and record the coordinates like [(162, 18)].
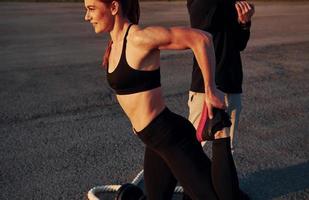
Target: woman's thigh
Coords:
[(185, 157)]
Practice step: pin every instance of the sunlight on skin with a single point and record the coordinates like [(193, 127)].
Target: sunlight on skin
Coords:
[(224, 133)]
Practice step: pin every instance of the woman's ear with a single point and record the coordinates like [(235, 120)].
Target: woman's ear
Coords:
[(115, 7)]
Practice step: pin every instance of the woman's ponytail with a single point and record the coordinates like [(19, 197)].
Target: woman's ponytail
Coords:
[(131, 10), (106, 54)]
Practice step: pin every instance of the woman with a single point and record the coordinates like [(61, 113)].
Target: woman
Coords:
[(132, 61)]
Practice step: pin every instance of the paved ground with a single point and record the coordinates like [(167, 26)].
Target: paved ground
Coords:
[(62, 132)]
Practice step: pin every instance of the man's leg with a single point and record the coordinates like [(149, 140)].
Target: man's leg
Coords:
[(195, 104), (234, 107), (233, 103)]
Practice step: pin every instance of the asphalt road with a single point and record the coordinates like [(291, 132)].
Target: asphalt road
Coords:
[(62, 132)]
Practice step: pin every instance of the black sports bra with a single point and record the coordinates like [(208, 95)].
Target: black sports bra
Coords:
[(126, 80)]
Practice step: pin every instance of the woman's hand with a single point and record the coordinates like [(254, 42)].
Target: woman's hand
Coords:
[(214, 98)]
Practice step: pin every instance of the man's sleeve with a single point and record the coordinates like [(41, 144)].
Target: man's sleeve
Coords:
[(201, 13), (243, 35)]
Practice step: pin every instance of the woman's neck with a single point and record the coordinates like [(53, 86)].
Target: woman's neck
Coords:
[(119, 29)]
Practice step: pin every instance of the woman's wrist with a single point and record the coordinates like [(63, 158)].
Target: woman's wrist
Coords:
[(209, 89)]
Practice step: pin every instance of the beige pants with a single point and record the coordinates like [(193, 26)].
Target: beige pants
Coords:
[(233, 103)]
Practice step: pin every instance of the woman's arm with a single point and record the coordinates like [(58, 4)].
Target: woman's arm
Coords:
[(200, 42)]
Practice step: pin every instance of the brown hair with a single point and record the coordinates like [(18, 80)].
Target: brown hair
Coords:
[(131, 11)]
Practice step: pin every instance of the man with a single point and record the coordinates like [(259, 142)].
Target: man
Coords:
[(229, 23)]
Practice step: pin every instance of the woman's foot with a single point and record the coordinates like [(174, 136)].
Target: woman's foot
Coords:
[(210, 129), (129, 191), (224, 133)]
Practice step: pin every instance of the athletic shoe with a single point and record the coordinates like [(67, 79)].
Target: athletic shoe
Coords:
[(207, 128)]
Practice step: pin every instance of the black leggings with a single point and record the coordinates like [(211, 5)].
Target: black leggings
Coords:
[(173, 154)]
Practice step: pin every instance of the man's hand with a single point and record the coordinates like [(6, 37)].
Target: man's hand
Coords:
[(245, 11), (215, 99)]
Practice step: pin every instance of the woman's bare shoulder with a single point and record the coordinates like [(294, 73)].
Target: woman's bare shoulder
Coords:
[(146, 35)]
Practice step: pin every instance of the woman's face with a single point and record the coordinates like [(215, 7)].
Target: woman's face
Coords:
[(99, 14)]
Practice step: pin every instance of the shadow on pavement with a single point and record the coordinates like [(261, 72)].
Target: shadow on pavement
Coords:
[(274, 183)]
